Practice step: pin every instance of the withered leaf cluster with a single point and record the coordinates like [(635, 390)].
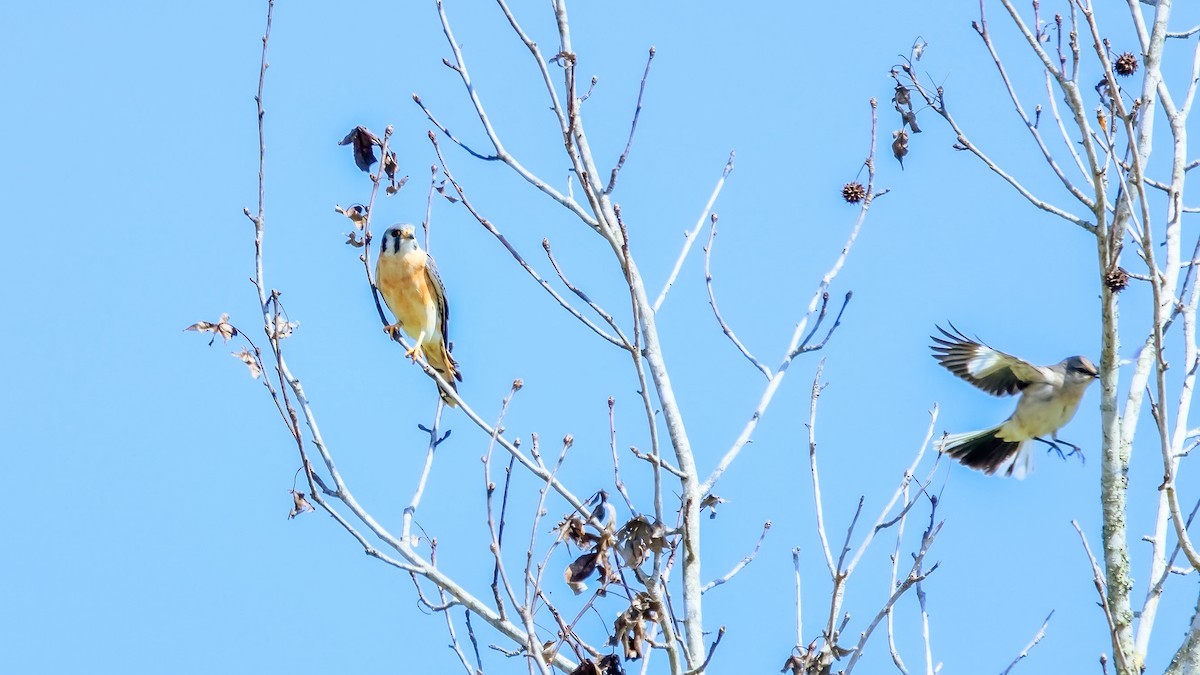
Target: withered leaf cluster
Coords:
[(282, 328), (574, 530), (638, 538), (607, 665), (222, 327), (630, 628), (902, 101), (814, 661), (364, 143)]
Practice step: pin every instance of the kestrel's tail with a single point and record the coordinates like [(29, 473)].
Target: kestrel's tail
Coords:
[(988, 452), (440, 360)]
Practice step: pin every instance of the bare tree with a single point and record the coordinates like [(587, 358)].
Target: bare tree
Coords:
[(1094, 124), (642, 573)]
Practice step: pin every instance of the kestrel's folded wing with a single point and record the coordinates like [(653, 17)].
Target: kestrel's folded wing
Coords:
[(995, 372), (443, 311)]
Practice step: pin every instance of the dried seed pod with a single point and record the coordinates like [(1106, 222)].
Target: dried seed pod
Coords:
[(1116, 280), (1126, 65)]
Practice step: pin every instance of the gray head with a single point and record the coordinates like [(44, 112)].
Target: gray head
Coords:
[(398, 239), (1080, 369)]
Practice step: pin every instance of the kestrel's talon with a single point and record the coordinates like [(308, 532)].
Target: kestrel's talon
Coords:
[(414, 352), (392, 330)]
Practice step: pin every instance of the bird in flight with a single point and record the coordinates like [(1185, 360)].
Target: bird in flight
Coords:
[(1049, 398), (410, 285)]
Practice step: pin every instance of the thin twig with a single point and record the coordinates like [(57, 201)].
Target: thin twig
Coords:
[(794, 346), (612, 444), (712, 302), (584, 296), (513, 251), (742, 563), (1032, 643), (612, 181), (689, 237)]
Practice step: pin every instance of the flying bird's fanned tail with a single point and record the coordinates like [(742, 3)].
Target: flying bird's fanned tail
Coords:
[(987, 451)]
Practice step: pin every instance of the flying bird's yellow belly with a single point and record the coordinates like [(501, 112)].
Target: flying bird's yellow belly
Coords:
[(1038, 414)]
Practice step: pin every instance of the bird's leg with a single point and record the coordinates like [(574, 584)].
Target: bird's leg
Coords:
[(416, 350), (393, 330), (1054, 445)]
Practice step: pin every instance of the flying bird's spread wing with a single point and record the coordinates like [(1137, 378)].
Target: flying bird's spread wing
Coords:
[(993, 371)]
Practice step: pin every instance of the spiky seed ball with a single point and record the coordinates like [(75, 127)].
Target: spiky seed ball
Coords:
[(853, 192), (1116, 280), (1126, 65)]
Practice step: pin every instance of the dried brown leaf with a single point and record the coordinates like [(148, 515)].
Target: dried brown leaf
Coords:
[(353, 240), (586, 668), (610, 665), (581, 569), (900, 145), (574, 530), (637, 538), (283, 328), (364, 143), (357, 213), (222, 327), (389, 165), (247, 358), (630, 627), (910, 118), (300, 504), (441, 189)]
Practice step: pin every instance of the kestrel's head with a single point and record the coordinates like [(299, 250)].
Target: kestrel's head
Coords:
[(398, 239)]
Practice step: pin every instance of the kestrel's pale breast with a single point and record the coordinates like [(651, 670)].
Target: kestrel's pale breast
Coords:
[(404, 283)]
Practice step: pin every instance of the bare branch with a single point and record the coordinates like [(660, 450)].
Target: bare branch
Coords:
[(584, 296), (517, 256), (1185, 33), (712, 302), (742, 563), (1033, 130), (689, 238), (612, 181), (1098, 578), (612, 444), (460, 67), (812, 461), (1032, 643), (793, 348), (441, 127)]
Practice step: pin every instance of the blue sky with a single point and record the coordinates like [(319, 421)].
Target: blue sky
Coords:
[(148, 474)]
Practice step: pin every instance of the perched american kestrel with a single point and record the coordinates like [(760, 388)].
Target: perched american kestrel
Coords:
[(1049, 398), (412, 289)]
